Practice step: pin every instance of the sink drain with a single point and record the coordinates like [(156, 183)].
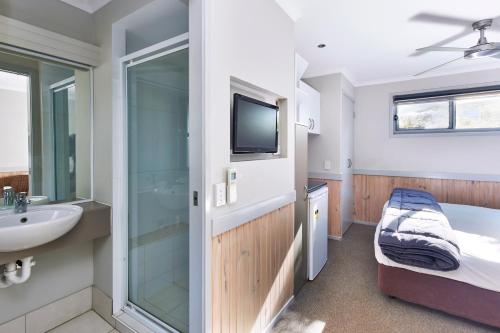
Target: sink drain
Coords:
[(24, 219)]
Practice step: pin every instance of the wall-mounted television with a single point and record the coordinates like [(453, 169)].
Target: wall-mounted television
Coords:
[(255, 126)]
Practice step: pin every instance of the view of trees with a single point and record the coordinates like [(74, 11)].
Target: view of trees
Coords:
[(477, 112), (426, 115)]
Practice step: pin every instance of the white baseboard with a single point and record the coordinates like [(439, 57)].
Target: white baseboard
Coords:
[(102, 304), (278, 315), (371, 224), (339, 238)]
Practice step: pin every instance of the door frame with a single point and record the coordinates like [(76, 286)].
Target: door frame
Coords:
[(120, 185), (53, 88)]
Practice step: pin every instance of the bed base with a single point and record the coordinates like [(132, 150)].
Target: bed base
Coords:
[(450, 296)]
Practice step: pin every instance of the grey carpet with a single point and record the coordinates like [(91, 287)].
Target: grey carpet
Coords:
[(345, 298)]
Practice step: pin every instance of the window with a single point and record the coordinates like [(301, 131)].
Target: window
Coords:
[(465, 110)]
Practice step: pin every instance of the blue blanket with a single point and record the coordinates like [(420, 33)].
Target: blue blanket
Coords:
[(415, 232)]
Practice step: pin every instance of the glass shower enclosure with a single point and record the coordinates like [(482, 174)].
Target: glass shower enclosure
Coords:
[(158, 187)]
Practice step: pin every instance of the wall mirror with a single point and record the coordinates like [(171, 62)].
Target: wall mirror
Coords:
[(45, 117)]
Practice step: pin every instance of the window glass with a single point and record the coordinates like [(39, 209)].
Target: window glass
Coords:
[(478, 112), (423, 115), (459, 110)]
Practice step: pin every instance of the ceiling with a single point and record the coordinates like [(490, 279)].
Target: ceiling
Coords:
[(90, 6), (374, 41)]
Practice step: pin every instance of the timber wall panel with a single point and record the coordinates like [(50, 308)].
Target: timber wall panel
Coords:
[(18, 180), (371, 193), (334, 211), (252, 272)]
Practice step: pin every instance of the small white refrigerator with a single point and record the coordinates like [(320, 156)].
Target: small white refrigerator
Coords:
[(317, 207)]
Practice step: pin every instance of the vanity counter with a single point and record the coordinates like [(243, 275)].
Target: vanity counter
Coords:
[(94, 223)]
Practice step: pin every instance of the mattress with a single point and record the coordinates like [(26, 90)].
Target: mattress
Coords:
[(478, 236)]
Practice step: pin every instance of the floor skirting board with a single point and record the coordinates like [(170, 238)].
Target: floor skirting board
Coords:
[(269, 327), (371, 224)]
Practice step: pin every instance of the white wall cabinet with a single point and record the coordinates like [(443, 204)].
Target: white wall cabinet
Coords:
[(309, 108)]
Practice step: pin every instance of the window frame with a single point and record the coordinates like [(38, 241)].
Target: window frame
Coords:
[(445, 95)]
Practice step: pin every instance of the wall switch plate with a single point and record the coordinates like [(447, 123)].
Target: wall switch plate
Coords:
[(231, 185), (220, 194), (327, 164)]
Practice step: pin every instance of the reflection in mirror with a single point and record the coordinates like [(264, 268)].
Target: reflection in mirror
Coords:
[(45, 112)]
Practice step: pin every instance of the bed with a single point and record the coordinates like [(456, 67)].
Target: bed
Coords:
[(473, 290)]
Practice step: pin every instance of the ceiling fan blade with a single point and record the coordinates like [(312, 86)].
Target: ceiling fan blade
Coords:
[(438, 66), (450, 39), (496, 24), (442, 49), (441, 19)]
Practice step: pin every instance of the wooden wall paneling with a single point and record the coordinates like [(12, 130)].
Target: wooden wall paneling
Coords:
[(378, 191), (371, 193), (231, 283), (435, 186), (265, 269), (457, 191), (217, 282), (360, 198), (334, 207), (243, 280), (252, 272), (486, 194), (225, 275), (19, 180)]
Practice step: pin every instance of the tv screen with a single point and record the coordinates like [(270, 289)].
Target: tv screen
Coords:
[(255, 126)]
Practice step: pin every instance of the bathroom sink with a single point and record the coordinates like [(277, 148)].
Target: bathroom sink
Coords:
[(39, 225)]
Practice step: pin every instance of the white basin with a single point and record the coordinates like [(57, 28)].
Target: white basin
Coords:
[(38, 200), (39, 225)]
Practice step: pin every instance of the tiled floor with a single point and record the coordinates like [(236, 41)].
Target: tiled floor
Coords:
[(170, 304), (160, 277), (89, 322)]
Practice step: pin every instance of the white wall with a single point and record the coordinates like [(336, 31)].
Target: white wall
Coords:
[(53, 15), (251, 41), (57, 274), (327, 145), (376, 149), (104, 78), (14, 122), (83, 133)]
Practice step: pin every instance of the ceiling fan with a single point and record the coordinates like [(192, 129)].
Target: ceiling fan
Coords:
[(482, 49)]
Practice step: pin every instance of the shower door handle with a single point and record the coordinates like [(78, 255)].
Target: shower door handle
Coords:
[(195, 198)]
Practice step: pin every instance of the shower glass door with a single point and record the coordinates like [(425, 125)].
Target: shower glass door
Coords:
[(158, 186)]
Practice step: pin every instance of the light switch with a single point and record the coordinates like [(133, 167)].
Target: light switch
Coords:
[(220, 194), (327, 164)]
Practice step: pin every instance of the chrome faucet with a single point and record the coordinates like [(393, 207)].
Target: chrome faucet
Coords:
[(21, 202), (8, 196)]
